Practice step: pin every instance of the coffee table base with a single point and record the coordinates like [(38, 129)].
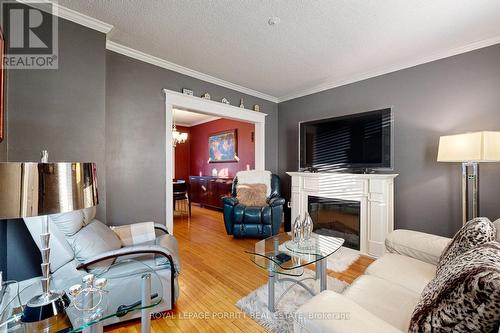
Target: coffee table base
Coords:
[(273, 277)]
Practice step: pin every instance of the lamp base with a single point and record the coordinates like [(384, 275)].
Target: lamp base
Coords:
[(46, 312)]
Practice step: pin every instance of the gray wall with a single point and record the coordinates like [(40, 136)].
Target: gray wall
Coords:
[(62, 110), (135, 135), (453, 95)]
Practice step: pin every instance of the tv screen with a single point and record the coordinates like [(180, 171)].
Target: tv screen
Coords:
[(354, 141)]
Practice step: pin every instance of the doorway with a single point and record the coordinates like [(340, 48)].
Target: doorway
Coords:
[(178, 101)]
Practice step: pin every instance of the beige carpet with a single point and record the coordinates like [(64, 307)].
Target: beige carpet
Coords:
[(281, 321)]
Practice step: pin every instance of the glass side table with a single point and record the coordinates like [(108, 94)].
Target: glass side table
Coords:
[(89, 296), (265, 254)]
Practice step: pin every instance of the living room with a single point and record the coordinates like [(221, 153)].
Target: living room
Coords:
[(105, 96)]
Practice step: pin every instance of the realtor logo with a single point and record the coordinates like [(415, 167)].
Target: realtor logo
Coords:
[(30, 32)]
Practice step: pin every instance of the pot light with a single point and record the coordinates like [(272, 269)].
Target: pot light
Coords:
[(274, 20)]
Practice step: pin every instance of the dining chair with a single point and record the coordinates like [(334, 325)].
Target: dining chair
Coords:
[(182, 196)]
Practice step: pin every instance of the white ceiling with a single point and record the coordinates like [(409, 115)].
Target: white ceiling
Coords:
[(318, 44), (188, 119)]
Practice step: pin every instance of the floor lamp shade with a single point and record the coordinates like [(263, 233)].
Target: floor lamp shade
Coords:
[(37, 189), (470, 149)]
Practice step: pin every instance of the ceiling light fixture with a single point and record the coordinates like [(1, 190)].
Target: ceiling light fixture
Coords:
[(273, 20), (177, 137)]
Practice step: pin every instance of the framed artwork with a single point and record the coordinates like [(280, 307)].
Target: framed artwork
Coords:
[(2, 83), (223, 146)]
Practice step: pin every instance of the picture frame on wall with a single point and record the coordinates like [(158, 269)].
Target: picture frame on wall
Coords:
[(223, 146)]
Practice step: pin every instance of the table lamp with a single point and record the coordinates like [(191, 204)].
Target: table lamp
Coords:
[(42, 189), (470, 149)]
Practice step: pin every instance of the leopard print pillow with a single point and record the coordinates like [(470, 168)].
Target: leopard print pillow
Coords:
[(475, 232), (464, 296)]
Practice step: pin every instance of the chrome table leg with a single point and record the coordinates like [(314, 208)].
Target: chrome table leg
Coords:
[(146, 302), (321, 264), (270, 289)]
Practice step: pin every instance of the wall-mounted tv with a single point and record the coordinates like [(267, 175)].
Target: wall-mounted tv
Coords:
[(353, 142)]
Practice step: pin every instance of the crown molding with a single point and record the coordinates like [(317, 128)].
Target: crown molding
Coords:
[(330, 84), (72, 15), (139, 55)]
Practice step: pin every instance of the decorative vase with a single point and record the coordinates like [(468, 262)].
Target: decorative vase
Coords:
[(297, 230), (307, 227)]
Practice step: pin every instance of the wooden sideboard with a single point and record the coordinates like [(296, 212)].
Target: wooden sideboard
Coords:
[(208, 191)]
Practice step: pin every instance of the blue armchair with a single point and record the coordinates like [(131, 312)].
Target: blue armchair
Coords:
[(257, 222)]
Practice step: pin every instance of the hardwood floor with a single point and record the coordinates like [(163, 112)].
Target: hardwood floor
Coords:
[(215, 274)]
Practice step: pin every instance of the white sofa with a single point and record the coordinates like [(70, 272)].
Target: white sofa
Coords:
[(383, 299)]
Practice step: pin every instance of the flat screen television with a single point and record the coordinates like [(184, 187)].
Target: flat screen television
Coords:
[(353, 142)]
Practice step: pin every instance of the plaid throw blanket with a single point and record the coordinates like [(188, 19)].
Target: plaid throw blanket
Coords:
[(134, 234)]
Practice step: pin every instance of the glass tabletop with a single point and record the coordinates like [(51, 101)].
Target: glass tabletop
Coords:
[(114, 291), (284, 256)]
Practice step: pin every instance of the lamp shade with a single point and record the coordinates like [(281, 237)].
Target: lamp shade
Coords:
[(36, 189), (470, 147)]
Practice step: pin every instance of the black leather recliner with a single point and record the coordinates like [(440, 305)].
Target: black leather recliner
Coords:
[(257, 222)]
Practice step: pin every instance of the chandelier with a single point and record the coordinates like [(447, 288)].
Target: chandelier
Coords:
[(177, 137)]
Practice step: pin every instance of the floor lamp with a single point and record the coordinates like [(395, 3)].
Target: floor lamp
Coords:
[(470, 149), (42, 189)]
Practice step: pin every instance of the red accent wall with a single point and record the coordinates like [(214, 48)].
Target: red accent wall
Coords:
[(191, 158)]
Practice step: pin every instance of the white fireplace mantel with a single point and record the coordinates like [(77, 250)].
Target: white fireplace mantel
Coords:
[(375, 192)]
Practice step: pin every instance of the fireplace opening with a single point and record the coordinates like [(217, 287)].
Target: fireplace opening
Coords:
[(337, 218)]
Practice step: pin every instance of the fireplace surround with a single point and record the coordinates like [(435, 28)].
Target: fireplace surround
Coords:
[(374, 193)]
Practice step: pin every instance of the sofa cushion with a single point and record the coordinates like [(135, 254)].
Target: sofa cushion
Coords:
[(251, 194), (68, 223), (404, 271), (475, 232), (389, 301), (418, 245), (332, 312), (89, 215), (94, 239), (464, 296)]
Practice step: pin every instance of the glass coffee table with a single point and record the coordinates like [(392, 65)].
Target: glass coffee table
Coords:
[(285, 260), (91, 308)]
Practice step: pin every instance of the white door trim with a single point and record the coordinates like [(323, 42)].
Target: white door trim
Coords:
[(181, 101)]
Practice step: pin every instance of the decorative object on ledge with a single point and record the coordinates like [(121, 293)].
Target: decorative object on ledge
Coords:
[(256, 107), (177, 137), (42, 189), (470, 149), (223, 146), (241, 103), (225, 101), (2, 84), (187, 91), (206, 96)]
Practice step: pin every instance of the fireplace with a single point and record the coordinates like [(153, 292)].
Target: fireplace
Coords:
[(336, 217)]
